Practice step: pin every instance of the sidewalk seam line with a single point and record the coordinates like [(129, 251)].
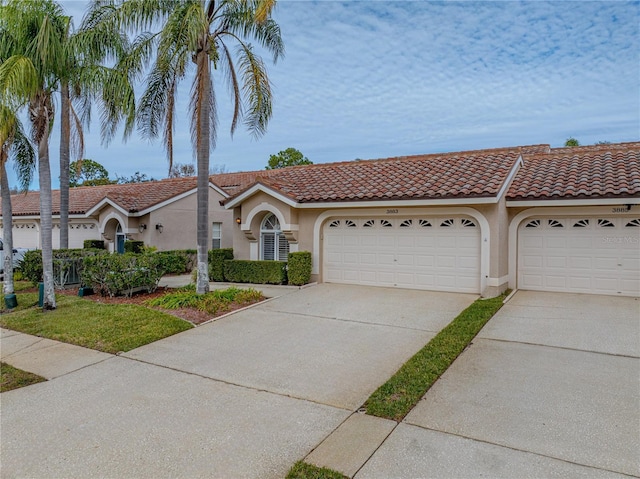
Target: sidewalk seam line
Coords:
[(559, 347)]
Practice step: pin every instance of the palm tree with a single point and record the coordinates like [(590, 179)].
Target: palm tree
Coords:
[(15, 145), (31, 51), (200, 34)]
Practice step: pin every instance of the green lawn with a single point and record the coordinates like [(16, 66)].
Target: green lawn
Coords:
[(395, 398), (105, 327), (14, 378), (302, 470)]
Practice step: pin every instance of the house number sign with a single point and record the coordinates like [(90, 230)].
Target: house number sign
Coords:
[(393, 211)]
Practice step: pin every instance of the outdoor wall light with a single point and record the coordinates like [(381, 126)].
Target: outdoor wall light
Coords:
[(159, 227), (238, 220), (142, 227)]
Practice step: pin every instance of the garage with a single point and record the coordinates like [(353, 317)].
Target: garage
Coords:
[(589, 254), (430, 253)]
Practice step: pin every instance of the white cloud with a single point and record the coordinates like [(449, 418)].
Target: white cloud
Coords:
[(373, 79)]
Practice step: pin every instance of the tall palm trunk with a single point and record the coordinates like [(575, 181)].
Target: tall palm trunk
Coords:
[(44, 174), (7, 228), (202, 155), (65, 132)]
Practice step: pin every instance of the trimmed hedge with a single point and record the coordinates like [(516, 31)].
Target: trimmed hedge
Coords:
[(217, 257), (93, 244), (133, 246), (176, 261), (257, 272), (122, 274), (64, 261), (299, 268)]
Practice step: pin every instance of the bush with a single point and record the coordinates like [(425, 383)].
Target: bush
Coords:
[(122, 274), (217, 257), (257, 272), (133, 246), (67, 265), (93, 244), (176, 261), (299, 268)]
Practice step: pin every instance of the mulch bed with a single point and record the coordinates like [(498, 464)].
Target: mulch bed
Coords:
[(192, 315)]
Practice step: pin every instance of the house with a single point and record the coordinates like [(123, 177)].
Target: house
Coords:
[(565, 219), (529, 217), (160, 213)]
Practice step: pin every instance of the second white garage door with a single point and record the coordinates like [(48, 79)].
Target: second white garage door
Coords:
[(430, 253), (591, 254)]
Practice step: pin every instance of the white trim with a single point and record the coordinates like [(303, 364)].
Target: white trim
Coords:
[(497, 281), (255, 189), (514, 169), (581, 202), (104, 202), (264, 207), (485, 232), (109, 217), (559, 211)]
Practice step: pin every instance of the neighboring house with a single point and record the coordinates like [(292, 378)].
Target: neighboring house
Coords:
[(160, 213), (531, 217)]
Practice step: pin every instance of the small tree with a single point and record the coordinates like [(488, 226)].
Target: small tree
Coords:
[(571, 141), (137, 177), (288, 157), (88, 173), (181, 170)]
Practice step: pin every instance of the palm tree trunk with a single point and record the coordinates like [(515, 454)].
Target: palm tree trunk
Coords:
[(7, 228), (202, 155), (65, 133), (44, 173)]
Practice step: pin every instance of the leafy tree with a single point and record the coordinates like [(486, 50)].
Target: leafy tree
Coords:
[(31, 55), (88, 173), (180, 170), (137, 177), (288, 157), (199, 34), (571, 141), (15, 145)]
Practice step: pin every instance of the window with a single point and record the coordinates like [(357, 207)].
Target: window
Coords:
[(274, 246), (216, 236)]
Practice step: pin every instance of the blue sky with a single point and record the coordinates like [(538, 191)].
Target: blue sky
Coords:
[(373, 79)]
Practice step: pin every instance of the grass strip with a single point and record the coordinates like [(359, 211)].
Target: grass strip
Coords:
[(302, 470), (395, 398), (14, 378), (104, 327)]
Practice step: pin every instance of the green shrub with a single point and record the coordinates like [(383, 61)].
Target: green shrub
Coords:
[(133, 246), (67, 265), (122, 274), (257, 272), (217, 257), (299, 268), (93, 244), (176, 261)]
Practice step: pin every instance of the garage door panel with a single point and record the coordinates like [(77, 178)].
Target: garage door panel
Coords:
[(441, 258), (596, 258)]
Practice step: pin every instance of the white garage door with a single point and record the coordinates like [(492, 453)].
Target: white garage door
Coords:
[(431, 253), (595, 254), (26, 235)]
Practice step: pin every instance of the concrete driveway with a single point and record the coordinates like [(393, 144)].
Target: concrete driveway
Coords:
[(244, 396), (549, 388)]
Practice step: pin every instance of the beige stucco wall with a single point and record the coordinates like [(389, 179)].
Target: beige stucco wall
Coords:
[(307, 224)]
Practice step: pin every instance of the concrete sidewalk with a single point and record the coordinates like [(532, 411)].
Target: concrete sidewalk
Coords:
[(45, 357)]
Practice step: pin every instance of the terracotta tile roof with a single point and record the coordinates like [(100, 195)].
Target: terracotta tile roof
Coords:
[(470, 174), (598, 171), (133, 197)]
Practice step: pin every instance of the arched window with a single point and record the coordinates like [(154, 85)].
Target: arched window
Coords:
[(273, 245)]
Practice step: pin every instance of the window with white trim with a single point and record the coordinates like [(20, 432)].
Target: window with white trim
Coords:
[(216, 236), (273, 244)]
